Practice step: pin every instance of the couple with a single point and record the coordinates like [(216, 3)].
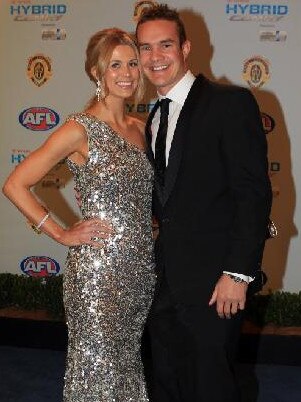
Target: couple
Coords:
[(212, 203)]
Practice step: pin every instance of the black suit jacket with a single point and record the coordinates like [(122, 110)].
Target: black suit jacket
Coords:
[(214, 209)]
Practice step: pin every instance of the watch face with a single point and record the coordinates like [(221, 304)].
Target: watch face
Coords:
[(236, 279)]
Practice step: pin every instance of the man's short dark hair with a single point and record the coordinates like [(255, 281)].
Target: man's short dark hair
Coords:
[(163, 12)]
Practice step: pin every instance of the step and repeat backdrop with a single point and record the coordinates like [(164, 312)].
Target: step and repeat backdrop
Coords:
[(251, 43)]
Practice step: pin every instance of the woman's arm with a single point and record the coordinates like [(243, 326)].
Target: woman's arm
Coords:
[(68, 141)]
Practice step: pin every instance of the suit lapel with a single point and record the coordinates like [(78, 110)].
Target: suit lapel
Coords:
[(196, 97)]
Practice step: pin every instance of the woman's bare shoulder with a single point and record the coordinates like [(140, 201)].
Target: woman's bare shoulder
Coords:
[(71, 128)]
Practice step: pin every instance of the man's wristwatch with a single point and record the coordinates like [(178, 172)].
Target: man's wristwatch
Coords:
[(236, 279)]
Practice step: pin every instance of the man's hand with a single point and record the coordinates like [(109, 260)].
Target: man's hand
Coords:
[(229, 296)]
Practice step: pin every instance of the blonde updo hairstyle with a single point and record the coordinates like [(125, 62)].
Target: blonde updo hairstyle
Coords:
[(99, 52)]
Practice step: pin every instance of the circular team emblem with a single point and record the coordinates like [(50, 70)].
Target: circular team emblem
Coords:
[(256, 71), (268, 122), (140, 6), (39, 69), (40, 266), (39, 118)]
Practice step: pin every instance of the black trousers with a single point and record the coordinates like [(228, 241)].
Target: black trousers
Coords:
[(192, 351)]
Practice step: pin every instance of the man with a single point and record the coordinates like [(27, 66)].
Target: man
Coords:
[(212, 199)]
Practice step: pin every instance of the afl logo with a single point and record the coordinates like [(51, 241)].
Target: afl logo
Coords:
[(39, 118), (268, 122), (39, 69), (39, 266), (256, 71)]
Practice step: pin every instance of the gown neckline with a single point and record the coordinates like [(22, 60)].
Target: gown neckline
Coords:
[(115, 133)]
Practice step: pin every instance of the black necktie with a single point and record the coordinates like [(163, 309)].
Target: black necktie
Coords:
[(160, 159)]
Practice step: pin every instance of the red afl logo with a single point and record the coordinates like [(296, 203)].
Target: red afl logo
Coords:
[(40, 266), (39, 118)]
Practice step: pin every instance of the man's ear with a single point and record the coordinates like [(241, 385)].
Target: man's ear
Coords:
[(186, 46)]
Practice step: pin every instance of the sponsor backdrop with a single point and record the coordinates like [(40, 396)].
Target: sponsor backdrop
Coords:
[(251, 43)]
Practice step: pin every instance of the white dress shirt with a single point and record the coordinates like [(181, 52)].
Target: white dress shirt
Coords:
[(178, 95)]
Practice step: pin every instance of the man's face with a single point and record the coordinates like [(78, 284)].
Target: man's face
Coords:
[(162, 57)]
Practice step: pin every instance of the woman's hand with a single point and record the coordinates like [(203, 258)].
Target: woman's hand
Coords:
[(90, 232)]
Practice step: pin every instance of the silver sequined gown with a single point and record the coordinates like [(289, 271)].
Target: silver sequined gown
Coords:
[(108, 291)]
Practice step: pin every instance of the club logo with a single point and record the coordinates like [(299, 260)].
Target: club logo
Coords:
[(40, 266), (39, 69), (268, 122), (55, 178), (18, 155), (51, 182), (54, 34), (140, 6), (242, 11), (140, 108), (24, 11), (39, 118), (256, 71), (273, 36)]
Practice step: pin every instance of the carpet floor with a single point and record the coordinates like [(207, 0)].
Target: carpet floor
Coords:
[(36, 375)]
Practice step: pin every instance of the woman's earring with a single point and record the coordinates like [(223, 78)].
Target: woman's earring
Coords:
[(98, 91)]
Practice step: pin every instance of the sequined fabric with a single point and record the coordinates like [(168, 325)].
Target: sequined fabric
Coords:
[(108, 291)]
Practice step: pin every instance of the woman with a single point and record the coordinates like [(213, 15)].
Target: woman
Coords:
[(109, 276)]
